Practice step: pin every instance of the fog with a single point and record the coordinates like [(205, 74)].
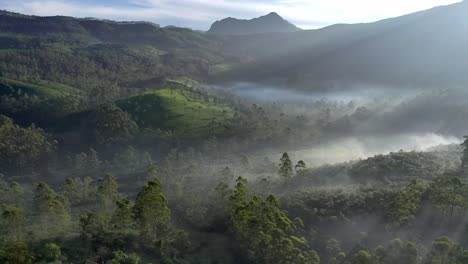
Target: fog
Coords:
[(268, 92), (352, 148), (394, 119)]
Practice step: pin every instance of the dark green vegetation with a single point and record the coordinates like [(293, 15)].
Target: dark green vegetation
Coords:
[(113, 151)]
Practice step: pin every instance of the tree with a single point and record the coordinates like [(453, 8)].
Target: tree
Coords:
[(151, 172), (15, 195), (151, 211), (447, 193), (112, 125), (146, 160), (72, 191), (23, 147), (300, 166), (17, 253), (464, 158), (51, 252), (108, 195), (122, 219), (227, 175), (285, 170), (88, 163), (127, 161), (51, 209), (265, 231), (403, 205), (443, 251), (362, 257), (245, 162), (13, 223)]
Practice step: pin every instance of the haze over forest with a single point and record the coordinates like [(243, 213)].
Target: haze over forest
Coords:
[(256, 141)]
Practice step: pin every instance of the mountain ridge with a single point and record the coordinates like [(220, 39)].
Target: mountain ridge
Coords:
[(270, 23), (425, 48)]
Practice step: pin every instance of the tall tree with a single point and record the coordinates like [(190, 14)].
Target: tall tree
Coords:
[(13, 223), (108, 195), (266, 231), (151, 211), (285, 168), (51, 209), (403, 206), (122, 219), (464, 158)]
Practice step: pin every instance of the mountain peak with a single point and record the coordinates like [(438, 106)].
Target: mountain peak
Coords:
[(270, 23), (274, 14)]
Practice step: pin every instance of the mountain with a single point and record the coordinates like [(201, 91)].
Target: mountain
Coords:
[(83, 52), (271, 23), (93, 31), (426, 48)]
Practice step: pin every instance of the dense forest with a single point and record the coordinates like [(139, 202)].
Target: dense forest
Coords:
[(117, 146)]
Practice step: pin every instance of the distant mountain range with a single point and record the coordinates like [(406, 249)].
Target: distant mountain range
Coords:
[(427, 48), (271, 23)]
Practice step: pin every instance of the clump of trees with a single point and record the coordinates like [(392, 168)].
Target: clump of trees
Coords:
[(23, 148), (266, 232)]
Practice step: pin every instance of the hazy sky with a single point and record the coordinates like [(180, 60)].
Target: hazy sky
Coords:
[(199, 14)]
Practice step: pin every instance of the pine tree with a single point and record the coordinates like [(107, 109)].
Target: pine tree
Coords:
[(108, 195), (285, 170), (151, 211), (464, 159), (51, 209), (300, 166), (13, 219)]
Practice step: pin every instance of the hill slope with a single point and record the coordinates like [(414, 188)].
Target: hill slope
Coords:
[(183, 111), (424, 48)]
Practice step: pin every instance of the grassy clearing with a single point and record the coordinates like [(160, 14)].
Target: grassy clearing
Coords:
[(13, 87), (182, 111)]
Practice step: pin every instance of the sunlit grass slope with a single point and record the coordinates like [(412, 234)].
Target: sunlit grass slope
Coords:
[(181, 110)]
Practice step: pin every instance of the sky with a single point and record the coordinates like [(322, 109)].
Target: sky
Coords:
[(200, 14)]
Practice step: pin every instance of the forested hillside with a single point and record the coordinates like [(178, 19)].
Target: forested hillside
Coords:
[(423, 49), (116, 147)]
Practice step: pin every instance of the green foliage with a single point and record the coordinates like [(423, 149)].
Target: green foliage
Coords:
[(51, 209), (445, 251), (398, 166), (12, 224), (403, 206), (151, 211), (285, 168), (72, 191), (464, 152), (22, 147), (120, 257), (112, 125), (362, 257), (123, 217), (108, 195), (180, 110), (51, 252), (15, 88), (448, 194), (265, 230), (17, 253)]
